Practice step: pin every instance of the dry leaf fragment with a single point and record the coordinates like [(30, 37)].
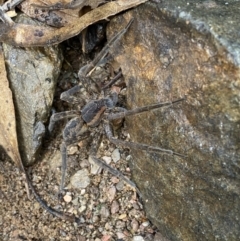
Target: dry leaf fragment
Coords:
[(28, 35), (8, 135)]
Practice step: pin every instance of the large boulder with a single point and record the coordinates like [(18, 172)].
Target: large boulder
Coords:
[(175, 49)]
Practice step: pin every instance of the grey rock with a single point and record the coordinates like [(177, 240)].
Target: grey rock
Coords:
[(138, 238), (173, 49), (116, 155), (104, 212), (80, 179), (32, 73)]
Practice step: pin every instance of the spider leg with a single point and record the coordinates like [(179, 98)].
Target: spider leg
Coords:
[(123, 112), (114, 172), (69, 97), (59, 116), (83, 72), (74, 131), (102, 164), (134, 145)]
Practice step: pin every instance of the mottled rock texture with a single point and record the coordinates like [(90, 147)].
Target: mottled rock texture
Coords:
[(32, 73), (175, 49)]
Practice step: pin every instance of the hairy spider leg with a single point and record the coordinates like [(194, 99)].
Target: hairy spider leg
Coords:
[(92, 156), (68, 95), (123, 112), (75, 130), (59, 116), (44, 205), (134, 145), (83, 72), (115, 172)]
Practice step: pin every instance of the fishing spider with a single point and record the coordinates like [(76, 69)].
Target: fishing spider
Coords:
[(99, 114)]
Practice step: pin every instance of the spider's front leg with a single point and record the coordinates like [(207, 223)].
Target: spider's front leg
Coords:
[(123, 113)]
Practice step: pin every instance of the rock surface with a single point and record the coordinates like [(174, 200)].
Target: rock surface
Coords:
[(175, 49), (32, 73)]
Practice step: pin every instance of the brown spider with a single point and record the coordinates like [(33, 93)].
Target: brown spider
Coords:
[(99, 114)]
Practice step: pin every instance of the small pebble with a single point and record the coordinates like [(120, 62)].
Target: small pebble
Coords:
[(116, 155), (145, 224), (36, 205), (138, 238), (121, 235), (95, 168), (82, 208), (67, 198), (111, 192), (95, 219), (114, 207), (107, 226), (72, 150), (120, 224), (128, 158), (104, 212), (106, 237), (75, 201), (134, 225), (83, 191), (80, 179), (114, 179), (120, 185), (107, 159), (122, 216)]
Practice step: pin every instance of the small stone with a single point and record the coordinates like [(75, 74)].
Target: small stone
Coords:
[(114, 179), (72, 150), (128, 158), (83, 191), (120, 185), (114, 207), (36, 205), (107, 159), (111, 192), (107, 226), (106, 237), (75, 201), (104, 212), (67, 198), (145, 224), (80, 179), (134, 225), (95, 168), (122, 216), (120, 224), (95, 219), (116, 155), (138, 238), (84, 163), (121, 235), (82, 208)]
